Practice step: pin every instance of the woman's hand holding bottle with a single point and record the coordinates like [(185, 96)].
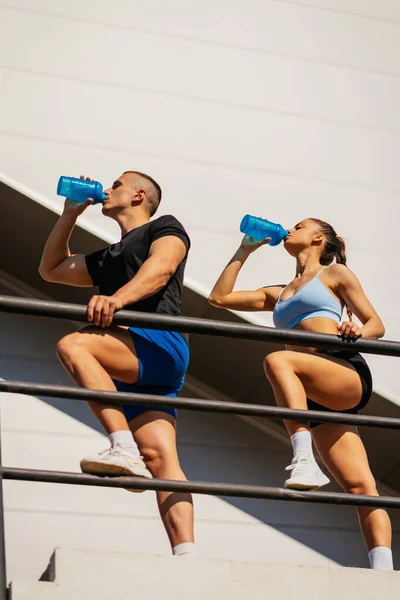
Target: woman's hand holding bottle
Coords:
[(249, 244)]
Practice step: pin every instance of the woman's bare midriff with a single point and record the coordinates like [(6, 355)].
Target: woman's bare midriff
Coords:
[(316, 325)]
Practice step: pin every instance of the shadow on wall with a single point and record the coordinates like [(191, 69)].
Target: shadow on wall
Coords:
[(28, 353)]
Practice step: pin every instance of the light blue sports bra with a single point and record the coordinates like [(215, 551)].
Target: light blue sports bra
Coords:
[(309, 302)]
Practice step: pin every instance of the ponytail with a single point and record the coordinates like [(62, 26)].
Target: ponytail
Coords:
[(340, 253)]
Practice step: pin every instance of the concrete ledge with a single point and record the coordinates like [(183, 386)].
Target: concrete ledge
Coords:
[(86, 574), (26, 590)]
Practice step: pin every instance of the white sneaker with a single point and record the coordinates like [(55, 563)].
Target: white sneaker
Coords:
[(306, 474), (114, 461)]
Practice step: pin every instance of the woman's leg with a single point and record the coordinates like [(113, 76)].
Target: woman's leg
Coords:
[(155, 434), (294, 376), (343, 453), (331, 382)]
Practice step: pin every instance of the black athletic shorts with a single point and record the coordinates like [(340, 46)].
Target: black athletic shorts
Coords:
[(357, 361)]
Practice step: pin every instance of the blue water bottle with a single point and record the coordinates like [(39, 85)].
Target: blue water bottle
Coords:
[(259, 229), (80, 190)]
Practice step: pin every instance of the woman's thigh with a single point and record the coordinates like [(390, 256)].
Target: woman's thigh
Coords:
[(331, 382), (344, 455)]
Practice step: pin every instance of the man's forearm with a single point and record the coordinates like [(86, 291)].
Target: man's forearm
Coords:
[(57, 249), (152, 276)]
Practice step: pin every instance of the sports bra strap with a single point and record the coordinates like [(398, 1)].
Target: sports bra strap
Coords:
[(321, 270)]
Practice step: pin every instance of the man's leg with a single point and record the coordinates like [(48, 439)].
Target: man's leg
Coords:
[(155, 433), (93, 357)]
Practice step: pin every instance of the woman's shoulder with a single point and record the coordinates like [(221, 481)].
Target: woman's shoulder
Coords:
[(338, 274), (336, 269)]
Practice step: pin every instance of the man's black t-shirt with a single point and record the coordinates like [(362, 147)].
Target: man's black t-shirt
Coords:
[(113, 267)]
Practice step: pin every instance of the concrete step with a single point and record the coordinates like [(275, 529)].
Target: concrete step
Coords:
[(39, 590), (98, 575)]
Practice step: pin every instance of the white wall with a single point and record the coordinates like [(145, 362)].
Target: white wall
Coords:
[(280, 108)]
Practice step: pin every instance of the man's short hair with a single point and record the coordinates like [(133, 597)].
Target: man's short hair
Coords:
[(153, 195)]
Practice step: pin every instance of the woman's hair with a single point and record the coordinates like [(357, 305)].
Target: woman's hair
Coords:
[(334, 248)]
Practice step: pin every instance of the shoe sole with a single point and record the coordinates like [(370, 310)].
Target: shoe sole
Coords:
[(102, 470), (304, 486)]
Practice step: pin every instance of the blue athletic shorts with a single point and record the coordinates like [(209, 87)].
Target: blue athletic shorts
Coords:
[(163, 360)]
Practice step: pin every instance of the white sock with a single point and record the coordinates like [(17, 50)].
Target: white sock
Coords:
[(301, 442), (187, 548), (125, 438), (381, 558)]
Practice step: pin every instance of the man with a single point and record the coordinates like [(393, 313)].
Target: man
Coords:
[(143, 272)]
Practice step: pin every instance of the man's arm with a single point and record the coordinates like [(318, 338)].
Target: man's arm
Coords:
[(165, 256), (58, 265)]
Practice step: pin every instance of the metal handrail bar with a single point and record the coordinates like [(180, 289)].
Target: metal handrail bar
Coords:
[(200, 487), (77, 312), (238, 408)]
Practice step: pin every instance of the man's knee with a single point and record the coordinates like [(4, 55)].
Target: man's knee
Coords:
[(159, 457), (69, 347)]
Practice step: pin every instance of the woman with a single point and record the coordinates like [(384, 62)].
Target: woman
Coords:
[(319, 379)]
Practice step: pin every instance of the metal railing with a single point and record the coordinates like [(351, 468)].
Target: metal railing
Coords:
[(198, 326)]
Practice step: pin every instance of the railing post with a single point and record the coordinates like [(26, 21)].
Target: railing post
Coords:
[(3, 574)]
